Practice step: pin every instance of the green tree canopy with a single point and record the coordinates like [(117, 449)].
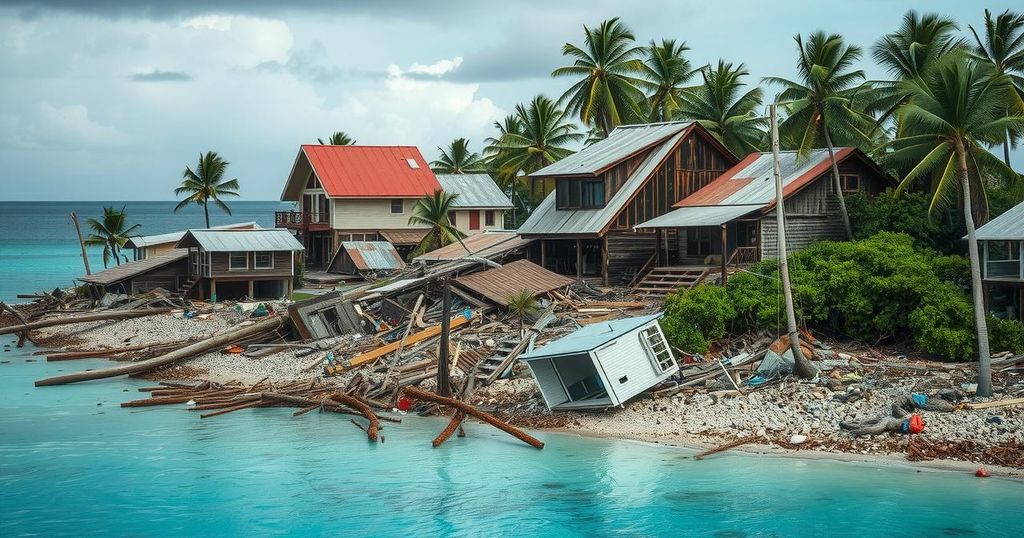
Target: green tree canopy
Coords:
[(206, 184)]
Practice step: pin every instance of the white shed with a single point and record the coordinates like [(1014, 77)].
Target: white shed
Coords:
[(603, 364)]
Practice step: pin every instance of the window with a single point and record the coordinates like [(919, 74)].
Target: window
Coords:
[(657, 348), (849, 182), (579, 194), (397, 206), (451, 218), (238, 261), (413, 164), (263, 260), (489, 218)]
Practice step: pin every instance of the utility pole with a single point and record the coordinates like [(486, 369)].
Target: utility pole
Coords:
[(444, 387), (81, 242), (801, 365)]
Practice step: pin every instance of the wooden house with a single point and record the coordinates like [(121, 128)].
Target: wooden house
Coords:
[(167, 270), (1001, 242), (367, 193), (586, 225), (146, 246), (602, 364), (731, 221), (232, 264)]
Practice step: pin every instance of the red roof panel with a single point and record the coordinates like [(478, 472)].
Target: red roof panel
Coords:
[(371, 171)]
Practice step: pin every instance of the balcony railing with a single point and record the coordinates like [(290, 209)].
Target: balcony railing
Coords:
[(299, 219), (1004, 269), (743, 256)]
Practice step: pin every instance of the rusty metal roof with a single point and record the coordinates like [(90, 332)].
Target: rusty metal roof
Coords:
[(474, 190), (482, 245), (623, 142), (411, 236), (501, 283), (372, 255)]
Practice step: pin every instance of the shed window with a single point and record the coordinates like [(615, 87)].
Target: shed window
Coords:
[(238, 261), (397, 206), (579, 194), (849, 182), (264, 260), (489, 218), (656, 347)]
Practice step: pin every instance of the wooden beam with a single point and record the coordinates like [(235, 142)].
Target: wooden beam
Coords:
[(725, 245), (604, 260), (430, 332), (579, 259)]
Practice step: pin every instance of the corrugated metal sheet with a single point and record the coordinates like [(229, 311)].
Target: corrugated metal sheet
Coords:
[(624, 141), (501, 283), (373, 255), (1006, 227), (590, 337), (474, 190), (404, 237), (174, 237), (483, 245), (547, 220), (134, 269), (272, 239), (370, 171), (752, 180), (699, 216)]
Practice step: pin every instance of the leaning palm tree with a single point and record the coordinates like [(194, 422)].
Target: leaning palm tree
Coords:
[(458, 159), (820, 106), (609, 69), (953, 111), (720, 106), (111, 233), (1003, 48), (544, 137), (205, 184), (432, 211), (666, 71), (337, 138)]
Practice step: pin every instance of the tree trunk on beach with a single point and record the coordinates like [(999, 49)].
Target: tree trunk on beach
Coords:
[(977, 293)]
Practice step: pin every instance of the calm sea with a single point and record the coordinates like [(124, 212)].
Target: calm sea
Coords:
[(39, 248)]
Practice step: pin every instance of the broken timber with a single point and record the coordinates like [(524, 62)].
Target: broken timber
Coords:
[(420, 394), (363, 358)]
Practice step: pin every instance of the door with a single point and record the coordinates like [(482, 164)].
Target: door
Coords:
[(474, 220)]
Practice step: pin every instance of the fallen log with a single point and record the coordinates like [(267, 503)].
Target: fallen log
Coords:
[(354, 403), (186, 352), (420, 394), (100, 316), (726, 446), (94, 353)]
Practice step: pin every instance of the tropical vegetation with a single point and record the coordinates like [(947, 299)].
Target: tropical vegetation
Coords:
[(205, 184), (457, 158), (337, 138), (432, 211), (110, 232)]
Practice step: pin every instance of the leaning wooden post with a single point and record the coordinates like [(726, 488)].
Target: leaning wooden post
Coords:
[(81, 242), (801, 365), (443, 377)]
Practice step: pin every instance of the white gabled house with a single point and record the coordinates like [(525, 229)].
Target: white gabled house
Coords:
[(603, 364)]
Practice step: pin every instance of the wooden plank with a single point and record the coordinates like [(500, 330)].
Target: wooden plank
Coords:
[(430, 332), (996, 403)]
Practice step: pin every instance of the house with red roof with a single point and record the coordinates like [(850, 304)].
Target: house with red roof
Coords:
[(367, 193), (731, 221)]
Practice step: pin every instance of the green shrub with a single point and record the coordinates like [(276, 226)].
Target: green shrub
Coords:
[(1005, 335), (696, 317), (907, 214)]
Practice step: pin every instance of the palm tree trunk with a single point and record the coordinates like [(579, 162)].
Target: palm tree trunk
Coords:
[(1006, 148), (837, 185), (206, 211), (977, 293)]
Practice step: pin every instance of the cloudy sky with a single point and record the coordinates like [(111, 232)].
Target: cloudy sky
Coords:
[(109, 100)]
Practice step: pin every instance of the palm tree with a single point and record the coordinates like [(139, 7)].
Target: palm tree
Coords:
[(666, 70), (206, 183), (458, 159), (1003, 47), (913, 48), (432, 210), (522, 304), (720, 107), (110, 233), (953, 111), (544, 136), (337, 138), (608, 92), (493, 153), (820, 105)]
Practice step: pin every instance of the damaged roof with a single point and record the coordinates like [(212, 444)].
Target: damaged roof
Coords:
[(266, 240), (590, 337), (134, 269), (411, 236), (623, 142), (372, 255), (483, 245), (474, 191), (501, 283)]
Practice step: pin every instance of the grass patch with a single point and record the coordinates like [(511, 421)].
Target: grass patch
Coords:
[(299, 296)]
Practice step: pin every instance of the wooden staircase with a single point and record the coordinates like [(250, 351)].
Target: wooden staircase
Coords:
[(486, 368), (186, 286), (661, 281)]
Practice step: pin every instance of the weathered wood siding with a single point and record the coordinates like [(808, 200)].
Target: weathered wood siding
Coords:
[(282, 267), (628, 250), (628, 367), (811, 215)]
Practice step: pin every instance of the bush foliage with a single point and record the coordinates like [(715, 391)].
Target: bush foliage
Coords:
[(879, 289)]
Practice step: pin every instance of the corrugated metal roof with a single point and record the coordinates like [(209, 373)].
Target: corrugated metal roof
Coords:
[(590, 337), (1006, 227), (474, 190), (174, 237), (271, 239), (621, 143), (369, 171), (699, 216), (752, 180), (134, 269), (482, 245), (372, 255), (412, 236), (501, 283), (548, 220)]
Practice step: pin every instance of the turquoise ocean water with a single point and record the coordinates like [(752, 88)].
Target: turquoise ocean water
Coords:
[(74, 463)]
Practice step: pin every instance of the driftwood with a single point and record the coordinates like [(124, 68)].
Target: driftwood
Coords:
[(721, 448), (262, 326), (100, 316), (355, 403), (24, 321), (472, 411)]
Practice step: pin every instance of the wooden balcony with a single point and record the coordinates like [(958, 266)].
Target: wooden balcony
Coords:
[(302, 220)]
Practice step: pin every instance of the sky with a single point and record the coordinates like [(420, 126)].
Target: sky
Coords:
[(110, 100)]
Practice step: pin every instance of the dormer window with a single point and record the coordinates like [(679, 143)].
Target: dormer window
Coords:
[(579, 194)]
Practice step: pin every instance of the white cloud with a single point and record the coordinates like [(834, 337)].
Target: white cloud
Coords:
[(68, 126), (220, 23), (437, 68)]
